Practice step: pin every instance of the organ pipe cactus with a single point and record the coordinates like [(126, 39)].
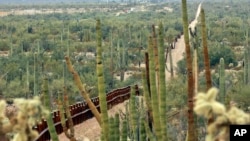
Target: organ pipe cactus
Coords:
[(117, 125), (35, 91), (101, 85), (154, 96), (83, 90), (27, 79), (147, 73), (49, 118), (191, 124), (205, 50), (112, 128), (246, 66), (64, 107), (124, 132), (142, 131), (147, 98), (162, 85), (133, 113), (155, 46), (222, 81)]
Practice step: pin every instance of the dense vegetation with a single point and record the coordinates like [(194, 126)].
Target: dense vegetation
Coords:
[(33, 47)]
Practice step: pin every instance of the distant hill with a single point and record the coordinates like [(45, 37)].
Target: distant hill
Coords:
[(42, 1)]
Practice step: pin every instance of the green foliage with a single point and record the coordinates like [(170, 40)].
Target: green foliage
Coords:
[(216, 51), (221, 51)]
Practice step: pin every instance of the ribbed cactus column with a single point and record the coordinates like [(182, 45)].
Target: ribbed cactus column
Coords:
[(101, 86), (155, 46), (124, 132), (27, 80), (68, 114), (64, 108), (83, 91), (162, 84), (191, 124), (205, 50), (222, 81), (51, 127), (133, 114), (154, 95), (246, 66), (112, 129), (117, 127), (142, 131)]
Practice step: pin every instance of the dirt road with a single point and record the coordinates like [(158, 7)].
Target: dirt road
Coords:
[(177, 55)]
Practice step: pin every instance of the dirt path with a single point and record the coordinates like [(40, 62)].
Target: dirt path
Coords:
[(177, 55)]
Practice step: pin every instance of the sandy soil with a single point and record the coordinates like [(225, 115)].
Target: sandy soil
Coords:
[(90, 129), (177, 55)]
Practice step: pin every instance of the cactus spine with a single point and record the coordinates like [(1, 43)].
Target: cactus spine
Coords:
[(162, 85), (191, 124), (154, 96), (100, 79), (205, 50), (51, 127), (222, 81)]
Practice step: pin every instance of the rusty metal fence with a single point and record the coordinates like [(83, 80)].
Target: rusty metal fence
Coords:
[(80, 112)]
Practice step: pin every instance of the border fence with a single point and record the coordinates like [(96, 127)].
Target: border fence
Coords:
[(80, 112)]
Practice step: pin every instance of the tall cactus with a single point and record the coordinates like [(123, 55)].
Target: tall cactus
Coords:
[(205, 50), (155, 46), (247, 60), (162, 85), (51, 127), (117, 127), (101, 85), (133, 114), (34, 65), (68, 114), (222, 81), (27, 79), (147, 98), (154, 96), (112, 129), (191, 124), (246, 54), (83, 90), (124, 132)]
